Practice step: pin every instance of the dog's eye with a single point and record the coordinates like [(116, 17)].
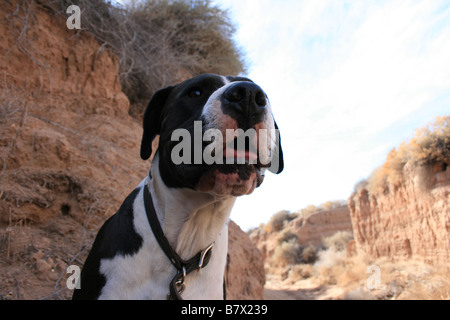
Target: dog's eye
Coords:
[(195, 93)]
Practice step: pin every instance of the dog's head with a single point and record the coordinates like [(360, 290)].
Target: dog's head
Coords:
[(217, 135)]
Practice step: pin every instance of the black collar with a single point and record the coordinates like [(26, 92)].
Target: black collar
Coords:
[(200, 260)]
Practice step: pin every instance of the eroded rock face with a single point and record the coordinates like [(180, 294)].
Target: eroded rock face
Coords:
[(66, 141), (312, 228), (245, 276), (407, 220), (309, 228)]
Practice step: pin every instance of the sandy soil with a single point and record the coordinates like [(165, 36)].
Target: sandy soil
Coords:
[(276, 289)]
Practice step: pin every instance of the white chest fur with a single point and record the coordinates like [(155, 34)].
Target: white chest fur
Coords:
[(191, 221)]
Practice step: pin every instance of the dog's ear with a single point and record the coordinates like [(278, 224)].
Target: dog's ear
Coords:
[(277, 164), (152, 120)]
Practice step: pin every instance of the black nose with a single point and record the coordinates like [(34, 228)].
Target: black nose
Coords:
[(244, 99)]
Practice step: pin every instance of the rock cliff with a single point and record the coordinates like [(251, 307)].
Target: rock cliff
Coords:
[(309, 228), (313, 227), (408, 220), (245, 277)]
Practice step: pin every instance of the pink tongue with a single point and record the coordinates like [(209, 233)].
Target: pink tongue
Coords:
[(240, 154)]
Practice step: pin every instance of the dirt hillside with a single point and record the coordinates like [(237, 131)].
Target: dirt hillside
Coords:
[(309, 228), (69, 153), (408, 220)]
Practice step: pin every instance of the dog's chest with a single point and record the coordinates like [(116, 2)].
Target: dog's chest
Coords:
[(147, 273)]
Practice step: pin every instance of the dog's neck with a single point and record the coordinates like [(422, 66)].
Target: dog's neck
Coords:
[(191, 220)]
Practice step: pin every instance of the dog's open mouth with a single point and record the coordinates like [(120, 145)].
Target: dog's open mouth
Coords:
[(235, 153), (233, 166), (240, 174), (235, 180)]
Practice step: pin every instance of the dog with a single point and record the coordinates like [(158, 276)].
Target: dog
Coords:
[(169, 239)]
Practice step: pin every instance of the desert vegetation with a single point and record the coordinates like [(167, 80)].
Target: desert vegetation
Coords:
[(335, 270), (288, 250), (160, 42), (398, 246), (281, 218), (429, 146)]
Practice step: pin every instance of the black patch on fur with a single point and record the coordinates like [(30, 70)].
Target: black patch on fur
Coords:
[(116, 237)]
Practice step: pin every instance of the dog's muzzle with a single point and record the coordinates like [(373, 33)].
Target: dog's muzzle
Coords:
[(243, 109), (246, 102)]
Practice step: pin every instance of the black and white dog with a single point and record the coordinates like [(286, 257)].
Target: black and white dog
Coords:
[(188, 201)]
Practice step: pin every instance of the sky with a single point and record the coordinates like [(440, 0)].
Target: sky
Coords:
[(348, 81)]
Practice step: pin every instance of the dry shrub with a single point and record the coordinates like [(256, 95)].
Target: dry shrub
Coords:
[(377, 182), (338, 241), (328, 205), (160, 42), (310, 209), (331, 205), (278, 221), (285, 236), (290, 252), (330, 258), (309, 254), (399, 280), (330, 262), (287, 253), (430, 145), (301, 272)]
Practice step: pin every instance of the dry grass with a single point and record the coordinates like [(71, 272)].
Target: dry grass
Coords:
[(278, 221), (290, 252), (400, 280), (432, 143), (353, 277), (160, 42), (22, 20), (429, 145), (338, 241)]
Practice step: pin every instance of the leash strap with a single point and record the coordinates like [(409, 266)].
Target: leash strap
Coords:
[(199, 261)]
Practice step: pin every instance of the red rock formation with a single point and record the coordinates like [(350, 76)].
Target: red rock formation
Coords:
[(313, 227), (310, 229), (245, 277), (410, 220)]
